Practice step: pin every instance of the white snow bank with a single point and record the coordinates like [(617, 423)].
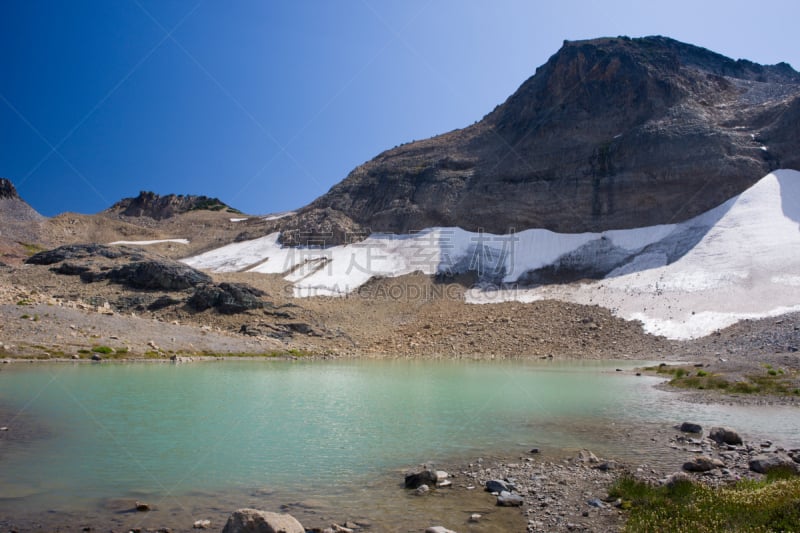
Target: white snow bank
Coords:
[(238, 219), (145, 243), (745, 266), (739, 260)]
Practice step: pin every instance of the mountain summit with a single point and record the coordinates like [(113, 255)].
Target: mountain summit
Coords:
[(609, 133)]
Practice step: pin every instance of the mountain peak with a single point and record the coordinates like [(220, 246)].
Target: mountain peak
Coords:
[(609, 133), (7, 189), (158, 207)]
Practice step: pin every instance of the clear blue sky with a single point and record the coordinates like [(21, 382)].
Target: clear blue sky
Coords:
[(267, 104)]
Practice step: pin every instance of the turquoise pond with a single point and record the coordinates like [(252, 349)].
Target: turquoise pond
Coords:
[(155, 429)]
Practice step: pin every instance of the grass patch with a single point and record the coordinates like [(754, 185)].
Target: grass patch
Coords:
[(293, 352), (773, 381), (103, 349), (770, 505), (24, 301), (31, 249)]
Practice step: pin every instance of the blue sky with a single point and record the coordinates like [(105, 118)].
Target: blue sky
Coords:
[(267, 104)]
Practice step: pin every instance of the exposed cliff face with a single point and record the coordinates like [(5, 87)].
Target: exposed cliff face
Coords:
[(152, 205), (609, 133)]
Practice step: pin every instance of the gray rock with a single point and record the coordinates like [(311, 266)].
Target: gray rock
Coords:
[(498, 485), (142, 507), (702, 463), (201, 524), (422, 490), (595, 502), (416, 479), (255, 521), (585, 456), (509, 499), (438, 529), (763, 464), (724, 435), (227, 298), (96, 357), (691, 427)]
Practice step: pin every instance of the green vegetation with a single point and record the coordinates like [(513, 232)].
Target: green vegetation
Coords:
[(774, 382), (26, 317), (293, 352), (102, 349), (753, 506), (31, 249), (24, 301)]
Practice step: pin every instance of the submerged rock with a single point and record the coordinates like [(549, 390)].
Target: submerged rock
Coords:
[(416, 479)]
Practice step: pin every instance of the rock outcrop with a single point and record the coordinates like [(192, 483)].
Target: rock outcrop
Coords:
[(609, 133), (255, 521), (146, 272), (150, 204), (7, 190)]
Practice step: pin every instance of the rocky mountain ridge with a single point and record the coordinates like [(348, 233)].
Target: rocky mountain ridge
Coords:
[(610, 133), (158, 207)]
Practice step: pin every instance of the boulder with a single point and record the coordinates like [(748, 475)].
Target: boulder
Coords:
[(227, 298), (509, 499), (691, 427), (703, 463), (585, 456), (422, 490), (438, 529), (255, 521), (763, 464), (416, 479), (156, 274), (498, 485), (724, 435)]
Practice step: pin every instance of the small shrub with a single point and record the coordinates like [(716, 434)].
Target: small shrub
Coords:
[(25, 317), (772, 372), (702, 373), (102, 349)]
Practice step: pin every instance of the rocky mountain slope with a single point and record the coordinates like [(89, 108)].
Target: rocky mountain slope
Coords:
[(610, 133), (20, 224)]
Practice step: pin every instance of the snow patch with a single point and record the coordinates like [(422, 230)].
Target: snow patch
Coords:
[(145, 243)]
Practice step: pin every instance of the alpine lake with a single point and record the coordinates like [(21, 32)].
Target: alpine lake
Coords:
[(323, 440)]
